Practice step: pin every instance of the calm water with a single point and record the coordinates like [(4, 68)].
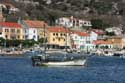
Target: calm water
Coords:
[(98, 70)]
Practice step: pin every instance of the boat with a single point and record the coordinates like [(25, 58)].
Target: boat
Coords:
[(59, 59), (31, 53)]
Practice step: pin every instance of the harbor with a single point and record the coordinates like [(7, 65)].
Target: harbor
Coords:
[(62, 41)]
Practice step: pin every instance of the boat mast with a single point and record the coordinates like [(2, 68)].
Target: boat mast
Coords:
[(44, 39), (66, 38)]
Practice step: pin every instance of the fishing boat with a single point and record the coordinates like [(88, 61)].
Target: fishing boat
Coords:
[(59, 59)]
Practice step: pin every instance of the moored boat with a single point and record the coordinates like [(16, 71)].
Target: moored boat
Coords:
[(58, 59)]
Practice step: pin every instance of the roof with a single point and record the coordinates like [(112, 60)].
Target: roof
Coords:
[(9, 4), (98, 31), (97, 42), (81, 33), (10, 24), (73, 18), (35, 24), (58, 29)]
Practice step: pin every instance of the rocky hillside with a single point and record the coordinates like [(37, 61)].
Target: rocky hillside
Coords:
[(111, 11)]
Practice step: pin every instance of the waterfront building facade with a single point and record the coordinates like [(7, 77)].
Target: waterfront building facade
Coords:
[(11, 31), (80, 39), (38, 28), (34, 29), (102, 44), (72, 22), (59, 36), (117, 41)]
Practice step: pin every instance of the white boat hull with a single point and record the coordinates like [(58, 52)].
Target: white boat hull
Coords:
[(66, 63)]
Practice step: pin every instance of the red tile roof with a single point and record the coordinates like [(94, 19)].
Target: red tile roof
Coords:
[(81, 33), (97, 42), (10, 24), (35, 24), (98, 31), (58, 29)]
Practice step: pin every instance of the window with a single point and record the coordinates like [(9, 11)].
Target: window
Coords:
[(53, 34), (34, 36), (18, 31), (6, 36), (85, 23), (62, 20), (53, 39), (6, 30), (64, 34), (56, 34), (75, 37), (23, 36), (61, 34), (34, 31), (18, 37), (88, 42), (12, 30), (25, 31), (59, 39)]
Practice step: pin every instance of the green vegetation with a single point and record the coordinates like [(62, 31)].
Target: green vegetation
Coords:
[(102, 8), (16, 43), (99, 24), (110, 33)]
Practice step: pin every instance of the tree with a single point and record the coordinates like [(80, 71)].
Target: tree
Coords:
[(29, 43), (110, 33), (99, 24), (2, 41)]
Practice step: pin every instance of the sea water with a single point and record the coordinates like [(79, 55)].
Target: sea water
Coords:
[(98, 69)]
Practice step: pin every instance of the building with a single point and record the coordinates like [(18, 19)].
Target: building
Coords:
[(81, 41), (11, 31), (39, 26), (9, 7), (33, 29), (116, 40), (73, 22), (116, 30), (27, 2), (1, 20), (101, 44), (59, 37), (96, 34)]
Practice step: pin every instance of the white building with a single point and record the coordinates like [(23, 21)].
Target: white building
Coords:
[(95, 34), (29, 31), (73, 22), (33, 34), (81, 41), (117, 30)]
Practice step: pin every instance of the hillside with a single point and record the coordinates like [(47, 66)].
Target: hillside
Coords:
[(111, 11)]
